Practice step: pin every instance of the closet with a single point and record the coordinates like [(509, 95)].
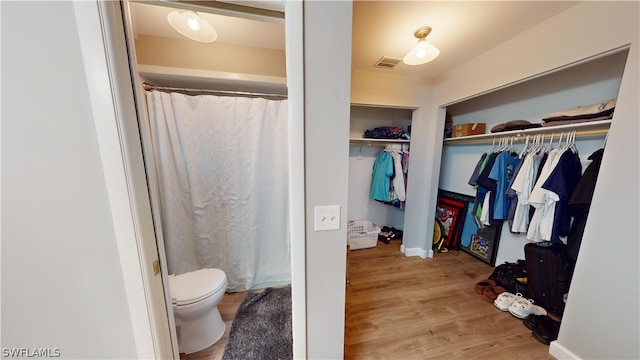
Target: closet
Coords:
[(362, 156), (588, 82)]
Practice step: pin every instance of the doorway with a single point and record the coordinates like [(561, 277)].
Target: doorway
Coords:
[(229, 81)]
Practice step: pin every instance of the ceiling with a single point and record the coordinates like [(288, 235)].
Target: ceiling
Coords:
[(462, 30)]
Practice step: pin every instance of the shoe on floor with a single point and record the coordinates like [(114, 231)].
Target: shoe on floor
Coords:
[(396, 233), (547, 331), (504, 300), (532, 321), (522, 307), (483, 284), (491, 293)]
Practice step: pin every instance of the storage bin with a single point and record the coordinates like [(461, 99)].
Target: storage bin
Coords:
[(362, 234), (468, 129)]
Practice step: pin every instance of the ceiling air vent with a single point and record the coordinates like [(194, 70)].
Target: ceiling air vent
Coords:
[(387, 62)]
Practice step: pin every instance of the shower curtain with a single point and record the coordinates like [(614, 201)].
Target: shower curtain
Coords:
[(222, 168)]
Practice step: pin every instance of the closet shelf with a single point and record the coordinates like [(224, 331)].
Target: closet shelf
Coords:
[(595, 129), (376, 142)]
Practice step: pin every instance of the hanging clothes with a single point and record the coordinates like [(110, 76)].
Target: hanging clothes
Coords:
[(557, 189), (388, 179), (482, 182), (398, 182), (513, 196), (522, 185), (543, 212), (580, 203), (381, 177), (538, 182), (502, 173)]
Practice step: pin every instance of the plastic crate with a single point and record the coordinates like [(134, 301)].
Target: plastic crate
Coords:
[(362, 234)]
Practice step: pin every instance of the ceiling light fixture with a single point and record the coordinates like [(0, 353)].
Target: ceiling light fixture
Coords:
[(191, 25), (423, 51)]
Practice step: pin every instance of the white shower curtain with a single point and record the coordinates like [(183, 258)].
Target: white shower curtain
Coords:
[(222, 168)]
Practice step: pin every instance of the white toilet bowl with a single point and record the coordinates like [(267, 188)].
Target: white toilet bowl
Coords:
[(195, 296)]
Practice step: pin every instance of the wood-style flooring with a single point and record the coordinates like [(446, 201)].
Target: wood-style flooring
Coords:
[(401, 307)]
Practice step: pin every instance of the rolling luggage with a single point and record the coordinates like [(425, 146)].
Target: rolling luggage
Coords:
[(548, 274)]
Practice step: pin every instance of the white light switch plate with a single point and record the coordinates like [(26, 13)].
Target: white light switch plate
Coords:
[(327, 218)]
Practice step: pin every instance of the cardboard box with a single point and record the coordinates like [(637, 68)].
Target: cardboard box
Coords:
[(469, 129)]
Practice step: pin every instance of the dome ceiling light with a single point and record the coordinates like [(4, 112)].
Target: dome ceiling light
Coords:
[(423, 51), (191, 25)]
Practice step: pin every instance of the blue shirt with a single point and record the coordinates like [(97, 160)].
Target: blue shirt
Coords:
[(502, 172), (381, 177)]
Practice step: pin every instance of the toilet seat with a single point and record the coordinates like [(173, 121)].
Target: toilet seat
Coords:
[(191, 287)]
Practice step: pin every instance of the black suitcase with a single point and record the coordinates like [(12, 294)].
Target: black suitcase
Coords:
[(548, 274)]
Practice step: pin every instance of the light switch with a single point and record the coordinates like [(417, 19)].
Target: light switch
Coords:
[(327, 218)]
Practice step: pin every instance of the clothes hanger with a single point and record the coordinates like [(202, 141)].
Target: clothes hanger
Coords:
[(550, 146), (502, 144), (573, 142), (524, 149), (568, 142), (539, 148), (505, 147), (560, 146), (535, 144), (493, 147)]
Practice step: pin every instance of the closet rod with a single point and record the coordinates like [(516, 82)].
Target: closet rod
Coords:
[(149, 87), (367, 143), (490, 138)]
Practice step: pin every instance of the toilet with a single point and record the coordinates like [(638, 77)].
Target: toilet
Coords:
[(195, 296)]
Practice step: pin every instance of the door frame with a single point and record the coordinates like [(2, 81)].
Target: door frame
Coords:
[(104, 50), (105, 62)]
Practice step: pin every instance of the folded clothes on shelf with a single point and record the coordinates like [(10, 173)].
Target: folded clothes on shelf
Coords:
[(514, 125), (386, 132), (600, 111)]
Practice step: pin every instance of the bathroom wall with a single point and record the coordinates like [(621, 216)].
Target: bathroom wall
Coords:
[(190, 54)]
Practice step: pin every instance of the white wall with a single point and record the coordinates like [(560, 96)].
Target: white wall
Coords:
[(379, 88), (62, 284), (596, 324), (327, 86), (599, 335)]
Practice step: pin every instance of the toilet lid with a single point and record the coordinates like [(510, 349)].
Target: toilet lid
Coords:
[(194, 286)]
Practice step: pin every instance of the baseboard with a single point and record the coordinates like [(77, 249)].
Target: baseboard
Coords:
[(560, 352), (416, 252)]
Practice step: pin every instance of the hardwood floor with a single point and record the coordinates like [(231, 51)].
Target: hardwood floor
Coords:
[(406, 308), (401, 307)]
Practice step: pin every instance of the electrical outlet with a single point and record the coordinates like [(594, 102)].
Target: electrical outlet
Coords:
[(327, 218)]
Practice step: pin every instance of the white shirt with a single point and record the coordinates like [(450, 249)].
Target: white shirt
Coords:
[(523, 184), (545, 210), (398, 180)]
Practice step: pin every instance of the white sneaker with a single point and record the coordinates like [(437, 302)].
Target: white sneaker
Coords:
[(521, 308), (504, 300)]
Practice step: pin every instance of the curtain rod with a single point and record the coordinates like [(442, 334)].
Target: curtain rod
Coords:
[(149, 87)]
